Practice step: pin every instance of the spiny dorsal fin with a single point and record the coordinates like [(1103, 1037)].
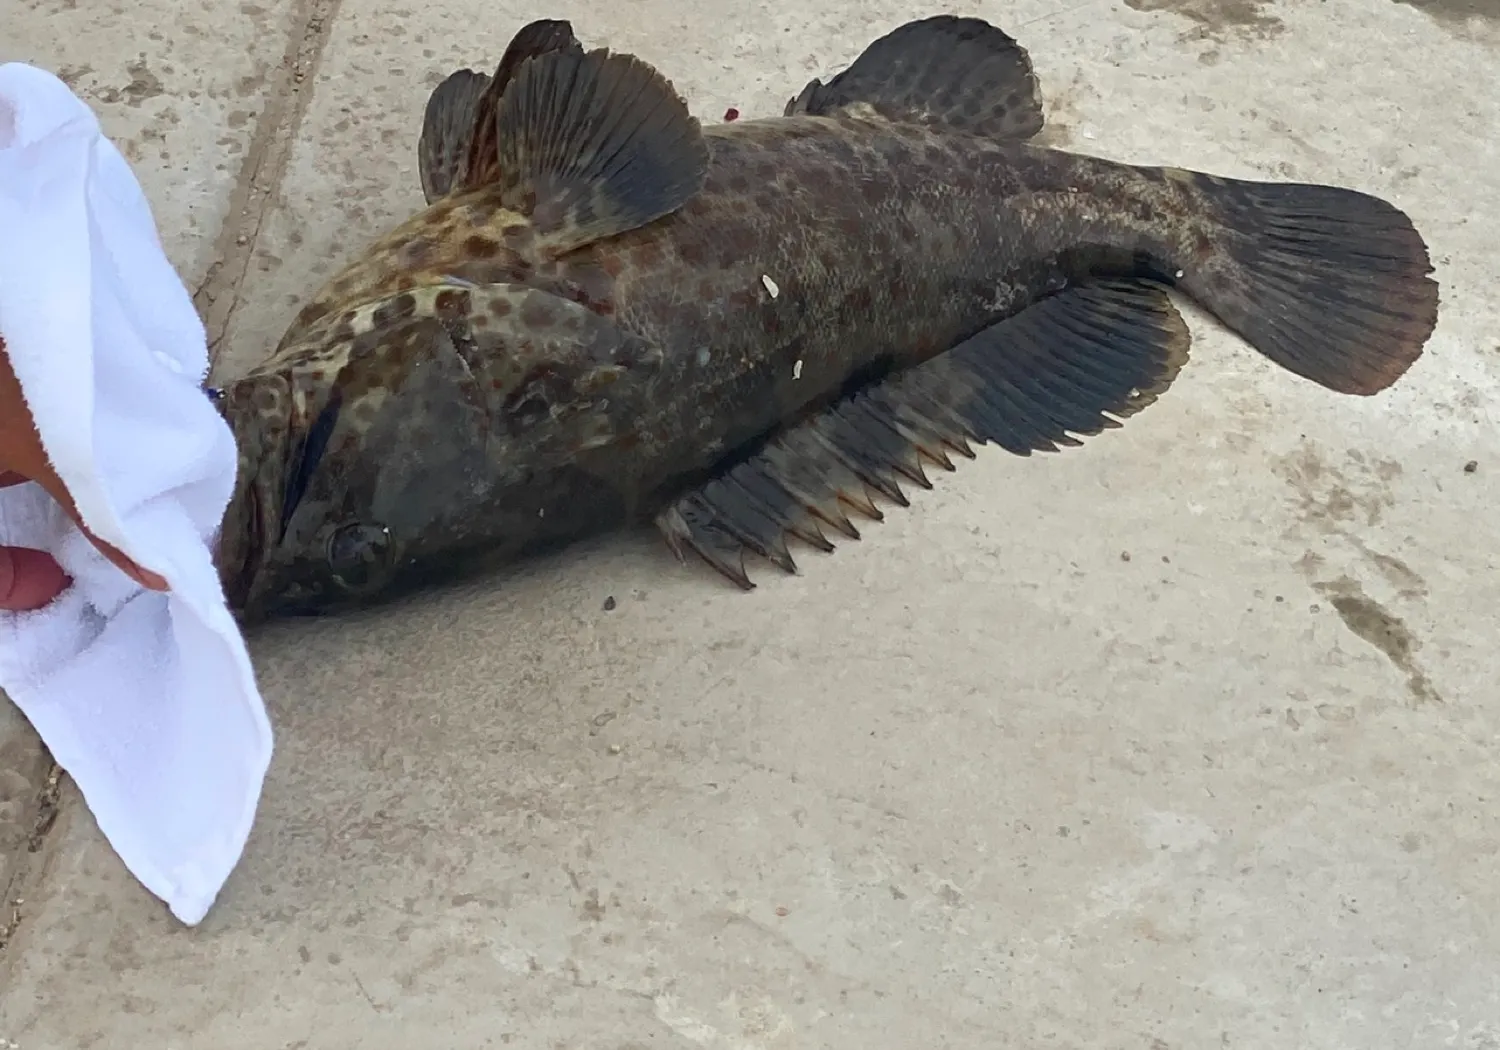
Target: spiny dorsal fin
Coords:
[(1074, 363), (591, 145), (540, 38), (447, 130), (456, 150), (961, 73)]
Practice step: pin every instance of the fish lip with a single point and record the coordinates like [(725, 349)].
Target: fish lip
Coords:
[(241, 551)]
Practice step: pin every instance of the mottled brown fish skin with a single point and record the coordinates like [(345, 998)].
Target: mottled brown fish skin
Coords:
[(465, 395), (902, 241)]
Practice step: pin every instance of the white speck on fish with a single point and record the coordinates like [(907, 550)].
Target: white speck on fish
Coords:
[(703, 357), (1179, 275), (797, 369), (771, 287)]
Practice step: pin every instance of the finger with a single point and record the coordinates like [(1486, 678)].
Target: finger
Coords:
[(49, 480), (10, 477), (29, 579), (147, 579)]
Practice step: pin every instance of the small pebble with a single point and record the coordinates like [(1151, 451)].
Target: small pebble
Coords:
[(1124, 555), (1471, 466), (609, 604), (781, 912), (771, 286), (797, 369), (731, 114)]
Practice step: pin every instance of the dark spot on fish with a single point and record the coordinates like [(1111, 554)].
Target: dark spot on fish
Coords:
[(416, 252), (737, 183), (479, 247), (647, 254), (500, 307), (741, 299), (691, 252), (479, 321), (872, 191), (535, 313), (393, 311), (450, 304)]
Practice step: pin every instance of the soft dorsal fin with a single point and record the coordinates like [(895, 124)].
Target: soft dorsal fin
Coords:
[(457, 147), (960, 73), (591, 145)]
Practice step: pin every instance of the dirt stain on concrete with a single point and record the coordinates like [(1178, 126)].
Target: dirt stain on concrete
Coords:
[(1063, 110), (1386, 631), (1331, 497), (1455, 12), (143, 85), (1219, 19)]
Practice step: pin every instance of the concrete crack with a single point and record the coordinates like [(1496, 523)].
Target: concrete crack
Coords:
[(217, 297)]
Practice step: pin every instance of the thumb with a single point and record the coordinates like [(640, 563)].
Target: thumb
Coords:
[(29, 579)]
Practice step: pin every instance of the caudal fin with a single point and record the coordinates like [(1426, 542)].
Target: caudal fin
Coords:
[(1329, 283)]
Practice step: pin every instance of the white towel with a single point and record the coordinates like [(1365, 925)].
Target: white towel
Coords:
[(146, 699)]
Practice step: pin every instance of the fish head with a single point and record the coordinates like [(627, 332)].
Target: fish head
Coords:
[(389, 441), (362, 443)]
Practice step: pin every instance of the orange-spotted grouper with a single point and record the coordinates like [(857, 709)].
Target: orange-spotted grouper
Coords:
[(608, 314)]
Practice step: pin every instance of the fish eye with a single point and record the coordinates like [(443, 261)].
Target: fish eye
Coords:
[(359, 555)]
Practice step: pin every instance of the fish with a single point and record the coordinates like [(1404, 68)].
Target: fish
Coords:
[(610, 315)]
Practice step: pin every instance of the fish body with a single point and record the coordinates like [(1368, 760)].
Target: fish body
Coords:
[(608, 314)]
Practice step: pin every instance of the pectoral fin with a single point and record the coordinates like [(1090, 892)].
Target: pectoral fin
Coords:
[(1073, 364)]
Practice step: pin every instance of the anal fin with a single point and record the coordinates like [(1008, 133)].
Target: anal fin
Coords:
[(592, 145), (1073, 364), (959, 73)]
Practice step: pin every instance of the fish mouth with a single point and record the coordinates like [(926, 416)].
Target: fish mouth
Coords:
[(240, 546)]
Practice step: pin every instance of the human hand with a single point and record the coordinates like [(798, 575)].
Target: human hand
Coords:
[(31, 579)]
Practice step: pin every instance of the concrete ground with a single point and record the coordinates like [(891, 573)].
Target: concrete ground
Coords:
[(1184, 739)]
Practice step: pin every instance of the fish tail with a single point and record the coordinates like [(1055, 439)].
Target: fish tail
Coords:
[(1329, 283)]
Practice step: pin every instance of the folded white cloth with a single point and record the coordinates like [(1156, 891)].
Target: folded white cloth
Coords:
[(146, 699)]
